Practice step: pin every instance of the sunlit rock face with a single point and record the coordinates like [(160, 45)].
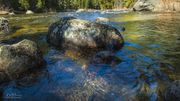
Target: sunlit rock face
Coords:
[(157, 5), (18, 58), (29, 12), (82, 34)]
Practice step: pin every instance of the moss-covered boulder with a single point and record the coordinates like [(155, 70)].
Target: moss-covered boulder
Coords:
[(18, 58), (82, 34)]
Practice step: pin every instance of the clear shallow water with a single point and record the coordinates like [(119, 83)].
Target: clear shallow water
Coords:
[(150, 60)]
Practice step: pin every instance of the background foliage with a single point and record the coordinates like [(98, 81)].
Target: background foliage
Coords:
[(48, 5)]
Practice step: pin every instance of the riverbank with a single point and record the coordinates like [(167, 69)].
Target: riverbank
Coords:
[(68, 10), (4, 12)]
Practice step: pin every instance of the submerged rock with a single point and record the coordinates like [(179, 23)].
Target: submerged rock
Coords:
[(18, 58), (4, 25), (105, 57), (82, 34), (172, 93)]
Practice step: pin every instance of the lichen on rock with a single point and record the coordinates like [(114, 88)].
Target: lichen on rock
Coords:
[(18, 58)]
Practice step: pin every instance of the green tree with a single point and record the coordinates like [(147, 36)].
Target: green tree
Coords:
[(40, 4), (106, 4), (24, 4), (128, 3)]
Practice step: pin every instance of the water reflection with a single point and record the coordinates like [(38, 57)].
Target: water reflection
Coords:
[(150, 60), (161, 33)]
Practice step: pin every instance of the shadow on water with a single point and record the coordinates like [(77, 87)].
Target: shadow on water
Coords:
[(150, 60)]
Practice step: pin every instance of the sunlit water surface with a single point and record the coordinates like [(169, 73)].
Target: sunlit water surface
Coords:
[(150, 60)]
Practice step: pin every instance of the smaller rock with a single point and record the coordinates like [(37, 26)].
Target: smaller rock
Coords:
[(4, 25), (102, 19), (143, 5), (18, 58), (81, 10), (105, 57), (172, 93), (29, 12), (11, 13)]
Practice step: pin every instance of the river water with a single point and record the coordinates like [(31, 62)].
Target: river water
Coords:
[(150, 60)]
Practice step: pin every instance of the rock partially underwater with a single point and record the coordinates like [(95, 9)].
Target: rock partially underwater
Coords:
[(18, 58), (82, 34)]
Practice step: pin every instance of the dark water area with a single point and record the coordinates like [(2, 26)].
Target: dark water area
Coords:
[(150, 60)]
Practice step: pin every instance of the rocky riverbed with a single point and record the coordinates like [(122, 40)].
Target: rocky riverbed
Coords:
[(143, 69)]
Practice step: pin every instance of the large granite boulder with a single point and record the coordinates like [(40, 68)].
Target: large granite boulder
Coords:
[(82, 34), (157, 5), (18, 58)]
